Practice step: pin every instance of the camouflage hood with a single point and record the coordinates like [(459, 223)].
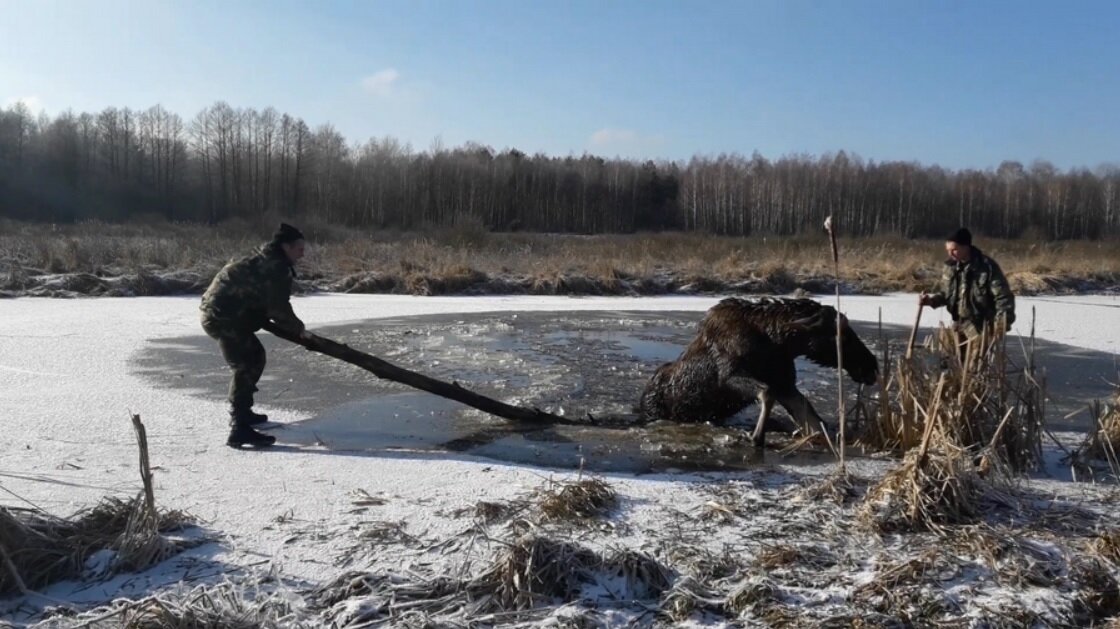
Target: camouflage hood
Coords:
[(252, 291)]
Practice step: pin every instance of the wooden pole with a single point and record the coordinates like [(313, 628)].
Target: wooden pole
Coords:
[(839, 338), (388, 371), (914, 332), (149, 506)]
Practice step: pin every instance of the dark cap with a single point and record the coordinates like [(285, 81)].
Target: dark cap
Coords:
[(962, 237), (286, 233)]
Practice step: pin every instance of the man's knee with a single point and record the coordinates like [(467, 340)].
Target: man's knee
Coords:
[(242, 352)]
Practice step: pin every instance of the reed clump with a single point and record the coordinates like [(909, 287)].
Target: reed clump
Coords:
[(980, 400), (580, 500), (528, 574), (1099, 450), (41, 548)]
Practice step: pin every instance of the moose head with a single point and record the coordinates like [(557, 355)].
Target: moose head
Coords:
[(819, 338)]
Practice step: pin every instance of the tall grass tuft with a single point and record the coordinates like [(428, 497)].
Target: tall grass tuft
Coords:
[(974, 396)]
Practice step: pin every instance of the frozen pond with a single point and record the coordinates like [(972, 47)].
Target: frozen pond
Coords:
[(72, 372), (569, 363)]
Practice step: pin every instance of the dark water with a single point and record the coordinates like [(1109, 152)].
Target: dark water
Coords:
[(570, 364)]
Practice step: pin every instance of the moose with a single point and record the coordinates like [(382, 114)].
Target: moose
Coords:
[(744, 351)]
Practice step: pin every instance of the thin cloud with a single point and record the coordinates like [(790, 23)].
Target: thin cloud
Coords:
[(624, 140), (382, 83), (33, 103), (606, 136)]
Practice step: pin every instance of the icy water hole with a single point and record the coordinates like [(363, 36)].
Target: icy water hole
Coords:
[(569, 363)]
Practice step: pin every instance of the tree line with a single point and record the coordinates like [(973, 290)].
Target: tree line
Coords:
[(119, 164)]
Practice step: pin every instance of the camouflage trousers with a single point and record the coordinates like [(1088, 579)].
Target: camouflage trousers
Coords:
[(245, 356), (976, 336)]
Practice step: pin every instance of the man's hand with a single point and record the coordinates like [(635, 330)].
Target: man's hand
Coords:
[(925, 299)]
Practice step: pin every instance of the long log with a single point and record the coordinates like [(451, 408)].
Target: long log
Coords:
[(388, 371)]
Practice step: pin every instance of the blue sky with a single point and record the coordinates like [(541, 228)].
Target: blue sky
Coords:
[(956, 83)]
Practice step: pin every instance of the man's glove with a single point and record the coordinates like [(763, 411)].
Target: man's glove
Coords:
[(933, 300)]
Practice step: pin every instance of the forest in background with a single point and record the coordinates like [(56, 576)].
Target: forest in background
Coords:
[(226, 163)]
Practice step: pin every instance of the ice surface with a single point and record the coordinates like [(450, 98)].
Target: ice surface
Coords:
[(71, 372)]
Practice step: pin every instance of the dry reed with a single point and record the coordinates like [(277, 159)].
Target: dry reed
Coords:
[(933, 487), (839, 487), (688, 596), (978, 399), (581, 500), (1015, 561), (1106, 545), (1098, 593), (535, 569), (225, 606), (751, 594), (43, 548), (527, 574), (1101, 447), (39, 549), (467, 259), (490, 511)]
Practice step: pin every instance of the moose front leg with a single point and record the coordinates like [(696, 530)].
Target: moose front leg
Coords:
[(747, 389), (765, 404), (802, 412)]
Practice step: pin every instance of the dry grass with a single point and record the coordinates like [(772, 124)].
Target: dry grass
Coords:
[(490, 511), (529, 574), (1101, 447), (534, 570), (1015, 561), (839, 487), (752, 594), (964, 418), (1107, 546), (911, 589), (571, 502), (900, 590), (1098, 593), (225, 606), (705, 565), (470, 260), (37, 548), (933, 487), (981, 402), (45, 548), (687, 597)]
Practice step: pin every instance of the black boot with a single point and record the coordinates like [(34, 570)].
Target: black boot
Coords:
[(247, 416), (242, 434)]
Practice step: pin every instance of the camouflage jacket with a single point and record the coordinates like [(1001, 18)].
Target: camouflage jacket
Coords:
[(985, 287), (249, 292)]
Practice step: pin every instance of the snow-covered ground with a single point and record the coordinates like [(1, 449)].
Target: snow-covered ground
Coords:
[(67, 387)]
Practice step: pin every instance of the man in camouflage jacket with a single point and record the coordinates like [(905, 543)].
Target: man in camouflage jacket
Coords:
[(973, 289), (243, 296)]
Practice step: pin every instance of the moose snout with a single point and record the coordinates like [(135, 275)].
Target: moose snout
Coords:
[(866, 376)]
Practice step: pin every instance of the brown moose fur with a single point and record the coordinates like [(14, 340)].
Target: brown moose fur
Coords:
[(744, 351)]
